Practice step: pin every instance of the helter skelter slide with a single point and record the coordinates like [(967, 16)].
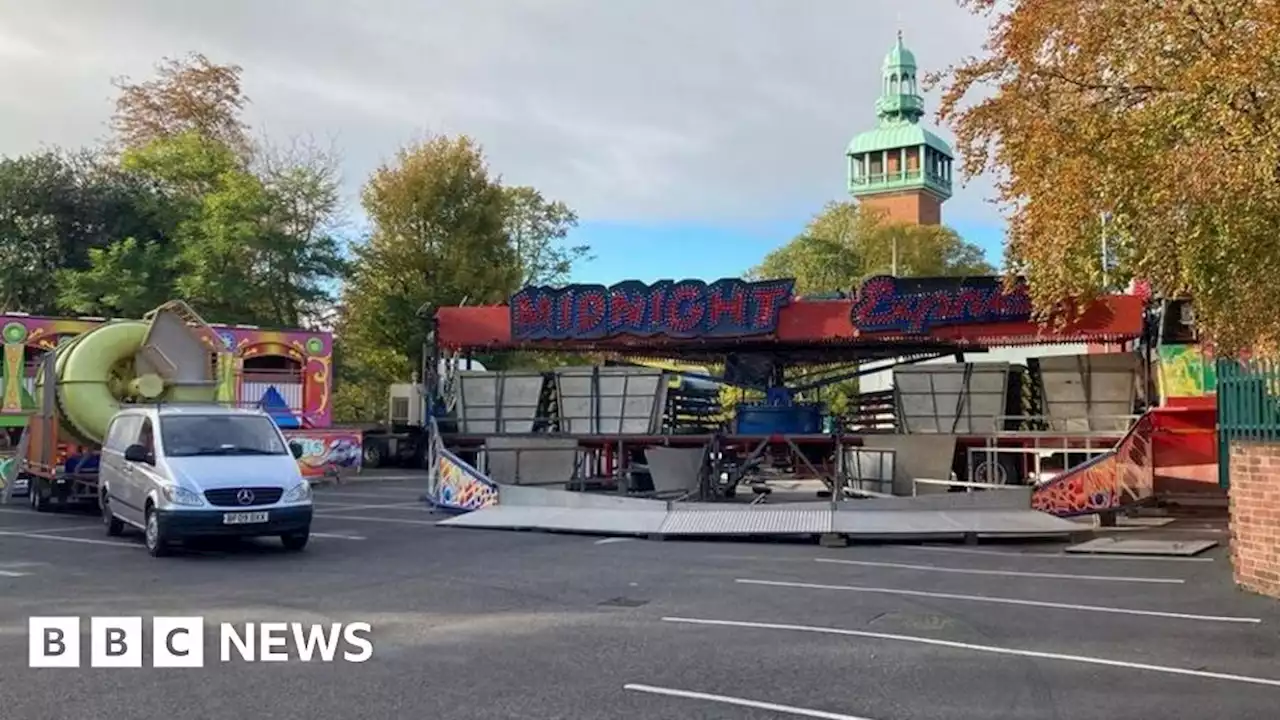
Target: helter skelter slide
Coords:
[(166, 357)]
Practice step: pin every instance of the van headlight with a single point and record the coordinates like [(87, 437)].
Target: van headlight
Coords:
[(298, 493), (179, 495)]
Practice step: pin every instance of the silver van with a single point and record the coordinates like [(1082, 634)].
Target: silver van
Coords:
[(179, 472)]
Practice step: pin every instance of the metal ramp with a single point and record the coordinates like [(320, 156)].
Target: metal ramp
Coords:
[(985, 514)]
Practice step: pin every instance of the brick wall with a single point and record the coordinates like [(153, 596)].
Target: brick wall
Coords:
[(915, 206), (1255, 516)]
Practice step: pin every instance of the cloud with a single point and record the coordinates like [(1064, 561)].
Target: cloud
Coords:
[(721, 111)]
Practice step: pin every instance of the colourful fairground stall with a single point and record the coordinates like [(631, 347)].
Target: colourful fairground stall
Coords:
[(288, 373)]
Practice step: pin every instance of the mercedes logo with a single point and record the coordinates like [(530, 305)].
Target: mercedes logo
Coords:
[(245, 496)]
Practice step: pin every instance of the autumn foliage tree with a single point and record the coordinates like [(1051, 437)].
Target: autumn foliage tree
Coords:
[(187, 95), (1163, 114), (439, 237)]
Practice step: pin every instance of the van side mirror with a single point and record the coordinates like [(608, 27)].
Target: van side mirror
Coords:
[(296, 449), (135, 453)]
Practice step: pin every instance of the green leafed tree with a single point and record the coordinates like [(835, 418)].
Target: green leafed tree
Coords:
[(240, 248), (439, 237), (847, 242), (57, 207), (305, 254), (125, 279), (538, 230)]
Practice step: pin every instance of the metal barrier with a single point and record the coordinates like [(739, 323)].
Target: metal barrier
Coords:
[(1112, 425), (968, 486), (990, 470)]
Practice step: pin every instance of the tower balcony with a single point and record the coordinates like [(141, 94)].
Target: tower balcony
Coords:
[(873, 183)]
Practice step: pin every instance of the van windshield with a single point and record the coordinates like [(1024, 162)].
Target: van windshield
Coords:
[(190, 435)]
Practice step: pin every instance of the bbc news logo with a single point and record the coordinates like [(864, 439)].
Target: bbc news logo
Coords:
[(179, 642)]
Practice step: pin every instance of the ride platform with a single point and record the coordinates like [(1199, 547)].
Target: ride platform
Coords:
[(1003, 513)]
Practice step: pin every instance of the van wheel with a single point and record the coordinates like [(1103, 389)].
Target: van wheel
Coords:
[(295, 541), (155, 538), (113, 524)]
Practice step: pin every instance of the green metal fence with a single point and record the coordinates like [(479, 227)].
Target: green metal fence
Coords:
[(1248, 407)]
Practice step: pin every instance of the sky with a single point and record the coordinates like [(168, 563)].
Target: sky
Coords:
[(691, 136)]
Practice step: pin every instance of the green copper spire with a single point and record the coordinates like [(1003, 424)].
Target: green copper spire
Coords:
[(900, 155), (899, 94)]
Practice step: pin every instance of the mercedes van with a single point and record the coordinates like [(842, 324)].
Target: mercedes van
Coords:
[(183, 472)]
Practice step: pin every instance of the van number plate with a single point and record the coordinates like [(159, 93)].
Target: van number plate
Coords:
[(243, 518)]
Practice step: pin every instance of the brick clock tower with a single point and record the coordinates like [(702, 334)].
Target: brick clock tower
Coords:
[(900, 167)]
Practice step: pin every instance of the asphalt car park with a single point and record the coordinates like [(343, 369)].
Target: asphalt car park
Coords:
[(491, 624)]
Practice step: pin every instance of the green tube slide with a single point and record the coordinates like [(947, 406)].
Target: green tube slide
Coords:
[(96, 375)]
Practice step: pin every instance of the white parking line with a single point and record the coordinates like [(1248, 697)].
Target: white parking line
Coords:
[(1003, 601), (1085, 659), (344, 507), (1008, 573), (397, 488), (401, 521), (8, 573), (86, 541), (338, 536), (1069, 556), (740, 702), (325, 495), (612, 540), (68, 528)]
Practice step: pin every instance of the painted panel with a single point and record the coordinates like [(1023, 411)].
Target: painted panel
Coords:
[(460, 486), (1107, 482), (1085, 489), (1186, 371), (327, 452)]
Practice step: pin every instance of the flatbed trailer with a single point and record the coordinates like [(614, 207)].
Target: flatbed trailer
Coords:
[(60, 470)]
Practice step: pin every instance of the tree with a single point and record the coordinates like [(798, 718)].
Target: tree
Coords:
[(125, 279), (36, 212), (1162, 114), (846, 243), (56, 207), (240, 248), (189, 95), (439, 237), (537, 229), (302, 182)]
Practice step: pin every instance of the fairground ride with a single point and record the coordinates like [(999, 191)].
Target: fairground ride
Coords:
[(962, 391)]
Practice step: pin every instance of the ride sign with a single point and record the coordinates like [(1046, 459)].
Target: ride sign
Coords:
[(677, 309), (916, 305)]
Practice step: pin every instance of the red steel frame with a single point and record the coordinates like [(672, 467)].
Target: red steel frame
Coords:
[(822, 327)]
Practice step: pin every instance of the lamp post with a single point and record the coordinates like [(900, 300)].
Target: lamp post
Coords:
[(1106, 255)]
